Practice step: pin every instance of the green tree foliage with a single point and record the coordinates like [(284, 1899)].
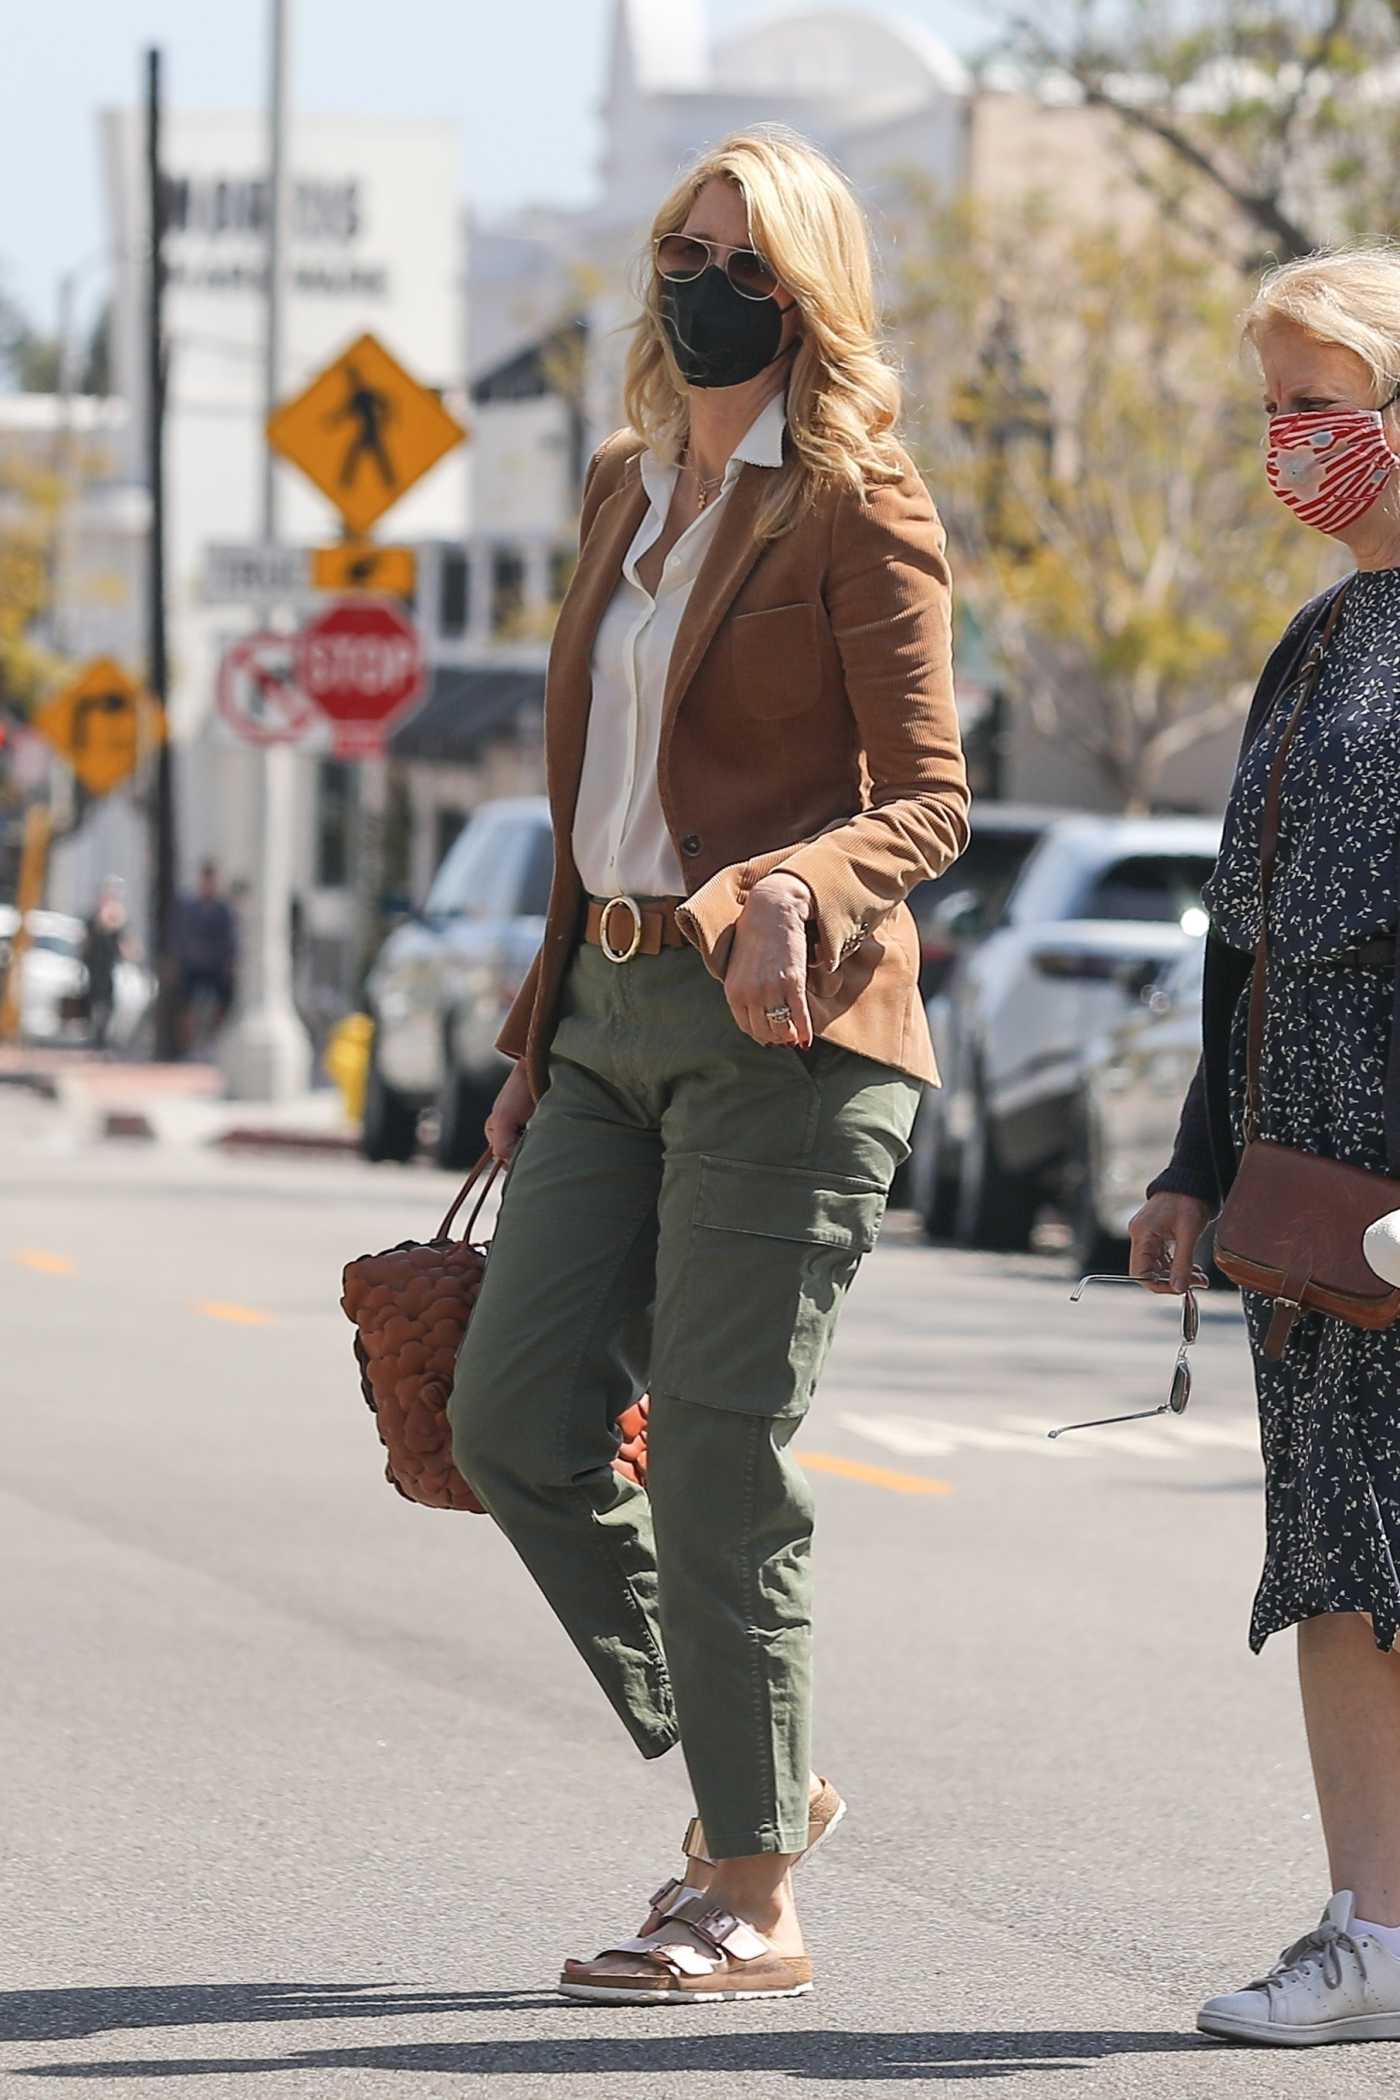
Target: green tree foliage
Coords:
[(1093, 436)]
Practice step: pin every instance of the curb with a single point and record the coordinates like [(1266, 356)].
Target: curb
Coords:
[(41, 1083), (274, 1140)]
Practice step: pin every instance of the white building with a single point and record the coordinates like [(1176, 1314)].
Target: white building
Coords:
[(883, 96), (374, 242)]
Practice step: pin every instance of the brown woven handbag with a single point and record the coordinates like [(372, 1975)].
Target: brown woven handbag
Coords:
[(1293, 1223), (410, 1307)]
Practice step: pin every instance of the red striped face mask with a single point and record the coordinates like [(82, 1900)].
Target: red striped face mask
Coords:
[(1330, 465)]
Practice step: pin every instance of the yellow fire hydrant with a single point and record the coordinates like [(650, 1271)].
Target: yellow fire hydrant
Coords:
[(347, 1061)]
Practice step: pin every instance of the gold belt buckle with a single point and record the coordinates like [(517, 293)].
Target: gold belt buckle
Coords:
[(620, 955)]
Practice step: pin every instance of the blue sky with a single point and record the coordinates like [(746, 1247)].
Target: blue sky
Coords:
[(521, 79)]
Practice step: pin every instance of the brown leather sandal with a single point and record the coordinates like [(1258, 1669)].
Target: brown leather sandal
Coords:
[(729, 1960), (826, 1811)]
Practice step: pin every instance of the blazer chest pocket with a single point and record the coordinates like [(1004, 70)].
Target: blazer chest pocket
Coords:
[(777, 667)]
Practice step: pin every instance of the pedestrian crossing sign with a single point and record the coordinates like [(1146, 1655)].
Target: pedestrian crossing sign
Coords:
[(103, 723), (364, 431)]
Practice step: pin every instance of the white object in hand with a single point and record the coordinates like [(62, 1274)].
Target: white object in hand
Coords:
[(1381, 1247)]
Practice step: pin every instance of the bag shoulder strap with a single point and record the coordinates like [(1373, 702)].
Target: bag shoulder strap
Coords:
[(1308, 678)]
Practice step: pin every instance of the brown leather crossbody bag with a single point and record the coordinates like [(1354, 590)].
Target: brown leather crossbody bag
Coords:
[(1293, 1224)]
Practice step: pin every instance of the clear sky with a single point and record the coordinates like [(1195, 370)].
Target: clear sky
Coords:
[(520, 77)]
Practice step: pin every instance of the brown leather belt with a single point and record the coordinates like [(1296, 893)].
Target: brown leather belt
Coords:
[(623, 928)]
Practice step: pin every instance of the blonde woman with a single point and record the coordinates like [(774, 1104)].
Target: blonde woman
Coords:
[(752, 755), (1327, 334)]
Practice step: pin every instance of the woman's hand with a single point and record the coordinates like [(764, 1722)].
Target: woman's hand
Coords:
[(515, 1104), (768, 962), (1164, 1235)]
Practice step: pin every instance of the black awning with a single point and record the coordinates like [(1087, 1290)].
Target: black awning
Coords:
[(469, 708)]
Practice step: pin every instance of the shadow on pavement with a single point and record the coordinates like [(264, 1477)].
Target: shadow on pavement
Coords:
[(833, 2055), (62, 2016)]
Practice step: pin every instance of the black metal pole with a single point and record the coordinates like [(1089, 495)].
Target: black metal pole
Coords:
[(167, 1044)]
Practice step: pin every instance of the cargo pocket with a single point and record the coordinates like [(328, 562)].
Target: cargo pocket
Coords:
[(771, 1254)]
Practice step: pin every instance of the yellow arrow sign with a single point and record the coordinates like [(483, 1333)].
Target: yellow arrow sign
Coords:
[(364, 432), (363, 565), (102, 723)]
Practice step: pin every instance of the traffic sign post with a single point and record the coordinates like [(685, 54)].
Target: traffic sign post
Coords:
[(364, 431), (102, 723), (361, 663)]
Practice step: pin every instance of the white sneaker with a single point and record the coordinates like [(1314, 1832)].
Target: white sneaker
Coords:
[(1332, 1986)]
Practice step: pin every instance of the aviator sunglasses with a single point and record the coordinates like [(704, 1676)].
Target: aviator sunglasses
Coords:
[(1180, 1393), (681, 257)]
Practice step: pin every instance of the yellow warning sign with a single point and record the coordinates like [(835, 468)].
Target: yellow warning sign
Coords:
[(363, 565), (364, 432), (103, 724)]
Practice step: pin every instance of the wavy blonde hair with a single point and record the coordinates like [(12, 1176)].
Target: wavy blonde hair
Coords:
[(843, 396), (1349, 296)]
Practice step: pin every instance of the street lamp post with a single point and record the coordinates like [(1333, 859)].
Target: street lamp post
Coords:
[(1004, 415), (267, 1052)]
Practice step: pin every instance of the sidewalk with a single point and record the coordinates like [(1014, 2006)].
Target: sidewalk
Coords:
[(180, 1104)]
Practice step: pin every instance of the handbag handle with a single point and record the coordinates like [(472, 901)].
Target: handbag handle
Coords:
[(1268, 852), (486, 1161)]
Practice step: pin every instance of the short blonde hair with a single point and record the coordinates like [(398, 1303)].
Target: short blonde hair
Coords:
[(843, 397), (1348, 296)]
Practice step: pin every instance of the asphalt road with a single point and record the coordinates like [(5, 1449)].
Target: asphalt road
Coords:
[(304, 1794)]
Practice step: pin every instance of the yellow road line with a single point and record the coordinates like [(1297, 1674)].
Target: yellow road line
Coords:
[(237, 1315), (47, 1264), (874, 1476)]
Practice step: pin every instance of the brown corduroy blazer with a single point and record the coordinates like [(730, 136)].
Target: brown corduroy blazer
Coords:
[(808, 724)]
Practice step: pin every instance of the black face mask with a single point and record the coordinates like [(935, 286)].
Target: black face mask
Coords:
[(719, 337)]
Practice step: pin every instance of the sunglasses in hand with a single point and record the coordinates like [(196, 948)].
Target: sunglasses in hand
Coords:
[(1180, 1392)]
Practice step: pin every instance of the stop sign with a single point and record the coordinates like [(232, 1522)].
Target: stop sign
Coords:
[(362, 664)]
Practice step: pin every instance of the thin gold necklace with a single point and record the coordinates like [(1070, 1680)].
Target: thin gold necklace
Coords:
[(706, 487)]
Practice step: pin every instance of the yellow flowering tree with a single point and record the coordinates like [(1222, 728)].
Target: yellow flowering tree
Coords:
[(1093, 436)]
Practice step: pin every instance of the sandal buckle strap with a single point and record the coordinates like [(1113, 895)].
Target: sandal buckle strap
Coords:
[(729, 1936)]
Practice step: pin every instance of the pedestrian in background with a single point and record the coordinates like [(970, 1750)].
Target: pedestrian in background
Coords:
[(207, 955), (752, 753), (106, 942), (1327, 334)]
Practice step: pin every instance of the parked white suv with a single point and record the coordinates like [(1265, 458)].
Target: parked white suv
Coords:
[(1102, 906), (444, 980)]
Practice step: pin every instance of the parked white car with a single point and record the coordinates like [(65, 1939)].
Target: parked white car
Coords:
[(443, 983), (54, 982), (1134, 1081), (1102, 906)]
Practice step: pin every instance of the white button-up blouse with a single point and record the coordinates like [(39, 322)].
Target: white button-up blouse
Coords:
[(620, 840)]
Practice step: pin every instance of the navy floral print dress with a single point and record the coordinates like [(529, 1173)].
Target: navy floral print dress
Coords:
[(1330, 1411)]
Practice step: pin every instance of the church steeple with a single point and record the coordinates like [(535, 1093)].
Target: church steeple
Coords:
[(656, 45)]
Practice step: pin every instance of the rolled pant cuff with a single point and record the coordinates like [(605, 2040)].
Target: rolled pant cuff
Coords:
[(652, 1742), (734, 1843)]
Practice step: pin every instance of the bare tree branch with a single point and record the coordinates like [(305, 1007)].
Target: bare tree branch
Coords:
[(1261, 207), (1321, 52)]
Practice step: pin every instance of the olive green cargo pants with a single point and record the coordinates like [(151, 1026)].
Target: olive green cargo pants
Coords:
[(684, 1215)]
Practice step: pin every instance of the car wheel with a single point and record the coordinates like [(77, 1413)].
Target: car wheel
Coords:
[(996, 1208), (389, 1129), (463, 1107)]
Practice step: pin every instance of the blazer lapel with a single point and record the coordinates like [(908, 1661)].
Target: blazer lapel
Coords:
[(569, 692), (729, 557)]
